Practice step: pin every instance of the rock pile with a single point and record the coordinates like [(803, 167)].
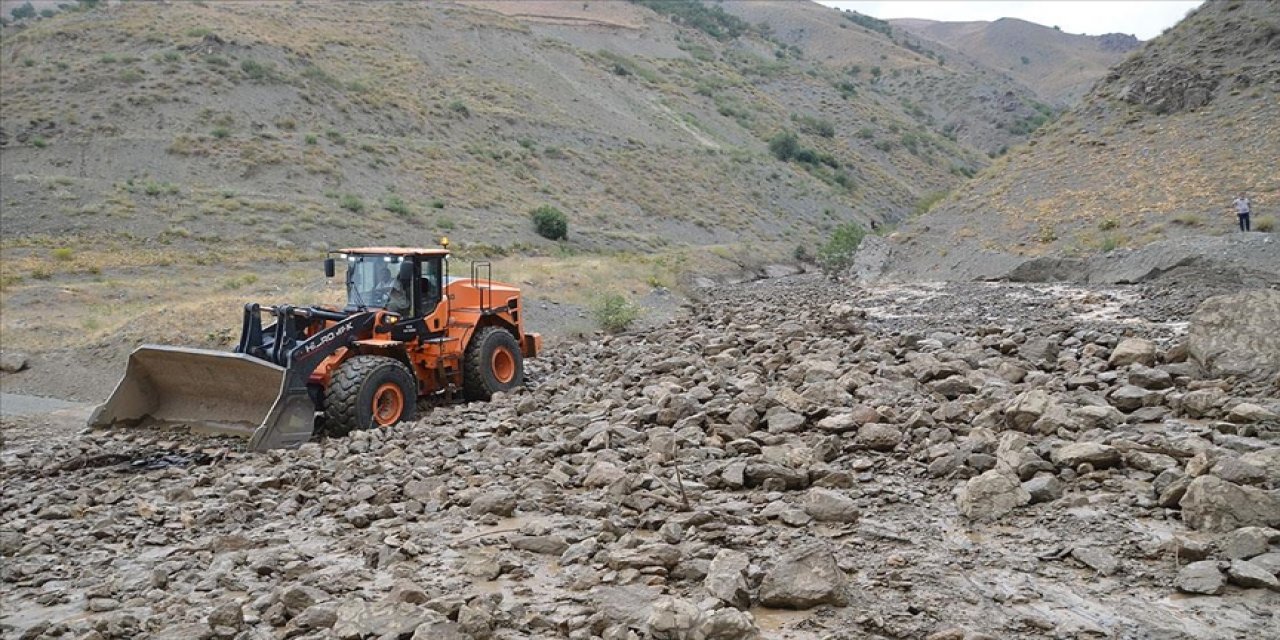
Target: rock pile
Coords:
[(883, 465)]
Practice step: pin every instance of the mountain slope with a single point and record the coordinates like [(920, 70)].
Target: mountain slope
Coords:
[(1059, 66), (967, 101), (150, 149), (657, 136), (1157, 150)]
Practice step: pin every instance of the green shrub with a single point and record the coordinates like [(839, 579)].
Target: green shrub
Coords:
[(801, 253), (868, 22), (256, 70), (550, 222), (837, 254), (220, 132), (395, 204), (39, 142), (63, 254), (311, 138), (152, 188), (614, 313), (1108, 224), (459, 107), (709, 19), (926, 202), (320, 75), (784, 145), (1266, 224), (847, 89), (24, 11), (437, 204), (816, 126), (351, 203)]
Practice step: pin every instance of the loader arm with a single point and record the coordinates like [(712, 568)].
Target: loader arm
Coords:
[(292, 418)]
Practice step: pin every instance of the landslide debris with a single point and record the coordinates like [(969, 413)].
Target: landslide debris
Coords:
[(927, 461)]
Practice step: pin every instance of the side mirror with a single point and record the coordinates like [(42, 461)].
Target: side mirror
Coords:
[(329, 267), (406, 271)]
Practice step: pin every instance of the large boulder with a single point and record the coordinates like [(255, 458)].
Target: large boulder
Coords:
[(1202, 578), (1266, 459), (726, 624), (1026, 409), (1078, 453), (803, 579), (826, 505), (727, 578), (1238, 334), (672, 619), (12, 361), (359, 619), (1133, 350), (991, 495), (1213, 504)]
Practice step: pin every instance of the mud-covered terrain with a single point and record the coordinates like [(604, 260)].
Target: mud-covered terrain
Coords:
[(792, 459)]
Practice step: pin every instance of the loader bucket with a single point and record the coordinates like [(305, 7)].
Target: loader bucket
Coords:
[(210, 392)]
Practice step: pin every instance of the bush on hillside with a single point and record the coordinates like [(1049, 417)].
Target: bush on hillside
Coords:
[(837, 254), (614, 313), (550, 222), (784, 145), (709, 19)]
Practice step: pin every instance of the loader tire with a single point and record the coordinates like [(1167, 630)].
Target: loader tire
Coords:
[(367, 392), (493, 363)]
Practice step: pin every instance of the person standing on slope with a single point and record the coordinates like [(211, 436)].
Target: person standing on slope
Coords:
[(1241, 204)]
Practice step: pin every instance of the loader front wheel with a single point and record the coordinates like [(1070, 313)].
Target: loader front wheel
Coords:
[(493, 363), (368, 392)]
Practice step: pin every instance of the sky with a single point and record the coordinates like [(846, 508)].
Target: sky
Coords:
[(1142, 18)]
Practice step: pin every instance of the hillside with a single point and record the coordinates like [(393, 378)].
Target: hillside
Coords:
[(1156, 151), (147, 147), (1059, 67), (943, 90)]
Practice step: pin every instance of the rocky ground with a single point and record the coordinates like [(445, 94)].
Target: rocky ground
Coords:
[(787, 459)]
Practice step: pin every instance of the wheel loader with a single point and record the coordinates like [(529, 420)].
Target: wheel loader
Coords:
[(409, 331)]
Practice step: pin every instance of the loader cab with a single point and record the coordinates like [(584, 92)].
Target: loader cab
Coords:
[(406, 283)]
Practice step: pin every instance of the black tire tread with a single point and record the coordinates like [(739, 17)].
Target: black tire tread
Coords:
[(342, 398), (475, 364)]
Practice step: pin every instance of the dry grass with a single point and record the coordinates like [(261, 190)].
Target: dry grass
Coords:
[(148, 299)]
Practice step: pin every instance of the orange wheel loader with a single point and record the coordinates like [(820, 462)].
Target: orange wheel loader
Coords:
[(408, 331)]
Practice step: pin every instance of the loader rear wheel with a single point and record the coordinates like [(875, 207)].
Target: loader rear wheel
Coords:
[(493, 363), (367, 392)]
